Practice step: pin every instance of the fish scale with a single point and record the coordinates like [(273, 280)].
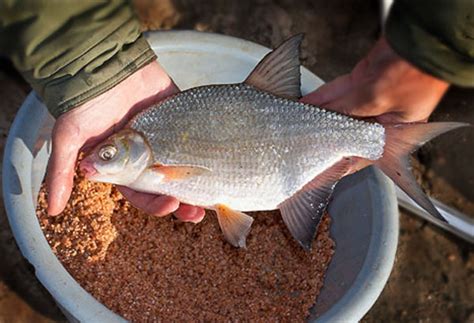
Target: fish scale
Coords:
[(260, 148), (253, 146)]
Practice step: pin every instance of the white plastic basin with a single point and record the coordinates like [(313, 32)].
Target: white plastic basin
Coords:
[(364, 210)]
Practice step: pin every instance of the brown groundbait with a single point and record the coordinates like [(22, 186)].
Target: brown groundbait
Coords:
[(146, 268)]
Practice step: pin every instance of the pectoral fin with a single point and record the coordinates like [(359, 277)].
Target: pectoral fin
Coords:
[(176, 173), (235, 225), (303, 211)]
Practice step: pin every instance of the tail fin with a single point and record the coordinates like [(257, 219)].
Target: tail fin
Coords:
[(400, 141)]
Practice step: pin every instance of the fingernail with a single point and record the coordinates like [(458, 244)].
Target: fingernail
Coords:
[(198, 217), (50, 213)]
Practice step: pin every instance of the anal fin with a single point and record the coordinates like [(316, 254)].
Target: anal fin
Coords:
[(303, 211), (235, 225)]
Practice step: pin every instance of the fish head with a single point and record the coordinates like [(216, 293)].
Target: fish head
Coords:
[(120, 159)]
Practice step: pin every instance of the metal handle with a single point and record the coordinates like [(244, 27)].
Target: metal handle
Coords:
[(458, 223)]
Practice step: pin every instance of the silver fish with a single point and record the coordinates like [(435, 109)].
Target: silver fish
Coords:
[(252, 146)]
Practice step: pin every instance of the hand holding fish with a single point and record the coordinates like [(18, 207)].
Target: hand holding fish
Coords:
[(90, 123), (252, 146), (382, 85)]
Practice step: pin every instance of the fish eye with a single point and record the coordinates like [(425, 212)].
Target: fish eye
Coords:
[(107, 152)]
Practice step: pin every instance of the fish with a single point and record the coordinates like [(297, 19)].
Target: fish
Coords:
[(252, 146)]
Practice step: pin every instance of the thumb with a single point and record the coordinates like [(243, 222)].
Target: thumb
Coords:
[(359, 102), (61, 166), (342, 96), (329, 91)]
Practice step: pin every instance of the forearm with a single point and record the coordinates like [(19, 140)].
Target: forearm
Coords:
[(435, 36), (71, 52)]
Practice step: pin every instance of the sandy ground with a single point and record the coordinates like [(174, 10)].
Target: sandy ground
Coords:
[(433, 277)]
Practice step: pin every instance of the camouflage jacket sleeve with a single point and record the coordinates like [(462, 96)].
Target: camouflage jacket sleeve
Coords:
[(437, 36), (72, 51)]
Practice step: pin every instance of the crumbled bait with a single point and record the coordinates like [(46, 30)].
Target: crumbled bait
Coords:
[(151, 269)]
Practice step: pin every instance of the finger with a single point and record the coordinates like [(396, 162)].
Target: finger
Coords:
[(329, 91), (190, 213), (388, 118), (401, 116), (157, 205), (61, 166), (360, 102)]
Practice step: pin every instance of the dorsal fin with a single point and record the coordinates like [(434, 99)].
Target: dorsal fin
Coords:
[(279, 71)]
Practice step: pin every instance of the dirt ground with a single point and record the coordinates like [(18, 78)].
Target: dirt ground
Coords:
[(433, 277)]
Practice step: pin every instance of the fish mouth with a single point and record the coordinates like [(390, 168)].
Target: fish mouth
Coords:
[(87, 168)]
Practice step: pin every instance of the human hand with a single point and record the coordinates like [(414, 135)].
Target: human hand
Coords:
[(90, 123), (382, 85)]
